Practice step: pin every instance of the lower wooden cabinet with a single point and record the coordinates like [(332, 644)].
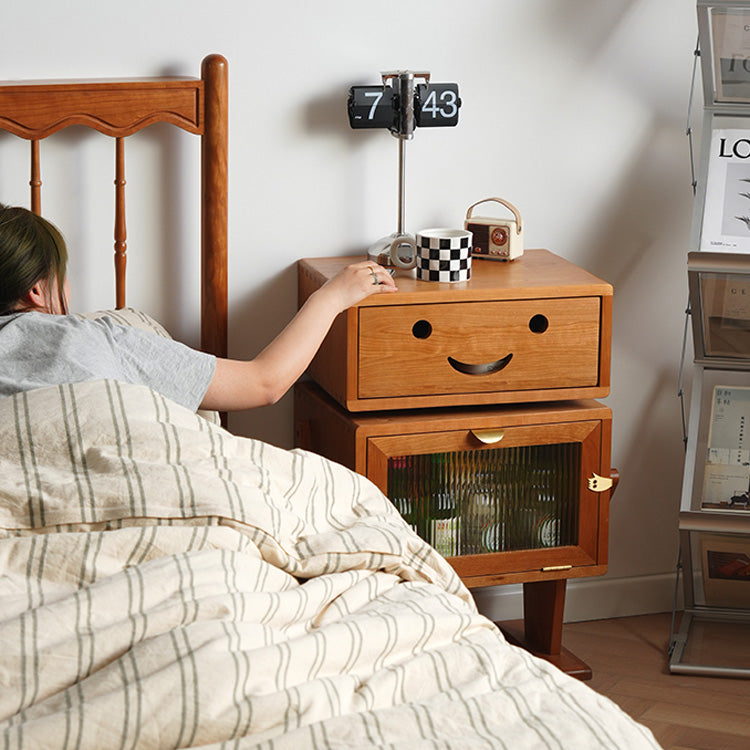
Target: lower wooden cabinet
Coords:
[(462, 403), (507, 494)]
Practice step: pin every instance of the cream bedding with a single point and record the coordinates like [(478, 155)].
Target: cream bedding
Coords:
[(166, 584)]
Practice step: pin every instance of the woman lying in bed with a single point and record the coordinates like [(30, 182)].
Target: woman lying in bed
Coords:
[(40, 344), (165, 584)]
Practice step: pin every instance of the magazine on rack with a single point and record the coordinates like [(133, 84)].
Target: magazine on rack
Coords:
[(726, 482), (726, 569), (730, 36), (726, 211)]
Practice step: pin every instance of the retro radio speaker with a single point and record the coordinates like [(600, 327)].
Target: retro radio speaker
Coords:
[(495, 238)]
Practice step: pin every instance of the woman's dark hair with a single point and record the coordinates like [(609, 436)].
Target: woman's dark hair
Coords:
[(31, 250)]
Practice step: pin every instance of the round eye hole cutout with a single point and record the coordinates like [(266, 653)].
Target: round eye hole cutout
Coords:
[(422, 329), (538, 324)]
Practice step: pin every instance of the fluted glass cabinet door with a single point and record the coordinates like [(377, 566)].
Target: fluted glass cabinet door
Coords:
[(496, 500), (526, 495)]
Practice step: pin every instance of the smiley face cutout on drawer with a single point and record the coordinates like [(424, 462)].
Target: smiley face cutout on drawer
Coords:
[(537, 324), (478, 347)]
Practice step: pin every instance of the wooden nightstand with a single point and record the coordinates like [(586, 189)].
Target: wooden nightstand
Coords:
[(470, 406), (391, 351)]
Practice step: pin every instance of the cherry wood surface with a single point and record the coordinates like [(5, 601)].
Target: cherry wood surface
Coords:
[(384, 389), (371, 360), (392, 361), (35, 109), (120, 107), (363, 442), (538, 273), (540, 630), (484, 569)]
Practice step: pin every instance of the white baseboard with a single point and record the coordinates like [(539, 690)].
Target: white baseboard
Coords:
[(598, 598)]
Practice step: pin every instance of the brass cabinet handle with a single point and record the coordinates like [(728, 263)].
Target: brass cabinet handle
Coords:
[(488, 437)]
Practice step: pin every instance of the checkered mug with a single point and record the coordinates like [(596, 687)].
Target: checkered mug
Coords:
[(444, 254)]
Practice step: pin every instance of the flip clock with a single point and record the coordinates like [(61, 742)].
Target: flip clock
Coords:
[(400, 105)]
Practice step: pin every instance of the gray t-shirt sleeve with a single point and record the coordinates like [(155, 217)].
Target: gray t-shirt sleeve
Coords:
[(38, 349), (169, 367)]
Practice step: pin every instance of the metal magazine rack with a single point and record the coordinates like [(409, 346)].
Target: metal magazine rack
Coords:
[(714, 514)]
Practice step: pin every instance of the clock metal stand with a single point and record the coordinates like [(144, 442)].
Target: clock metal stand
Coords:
[(401, 105)]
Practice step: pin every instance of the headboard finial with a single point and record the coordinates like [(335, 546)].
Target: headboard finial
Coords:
[(214, 182)]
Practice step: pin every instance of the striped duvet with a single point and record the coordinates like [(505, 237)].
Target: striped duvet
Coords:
[(166, 584)]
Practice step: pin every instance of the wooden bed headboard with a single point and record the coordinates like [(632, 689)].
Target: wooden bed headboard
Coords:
[(35, 110)]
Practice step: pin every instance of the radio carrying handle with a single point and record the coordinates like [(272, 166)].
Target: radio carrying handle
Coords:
[(509, 206)]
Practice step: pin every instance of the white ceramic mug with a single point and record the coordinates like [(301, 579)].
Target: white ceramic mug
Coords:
[(444, 254)]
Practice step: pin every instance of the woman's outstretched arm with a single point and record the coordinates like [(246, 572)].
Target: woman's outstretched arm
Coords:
[(238, 384)]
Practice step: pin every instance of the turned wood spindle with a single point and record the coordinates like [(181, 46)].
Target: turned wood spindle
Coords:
[(36, 181), (120, 228)]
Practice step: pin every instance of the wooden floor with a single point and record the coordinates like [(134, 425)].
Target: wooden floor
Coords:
[(629, 660)]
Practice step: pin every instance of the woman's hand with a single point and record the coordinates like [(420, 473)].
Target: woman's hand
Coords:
[(355, 282)]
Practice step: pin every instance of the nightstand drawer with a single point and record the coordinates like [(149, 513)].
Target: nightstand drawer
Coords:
[(534, 329), (478, 347)]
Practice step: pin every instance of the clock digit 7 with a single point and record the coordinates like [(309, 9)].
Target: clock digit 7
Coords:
[(371, 107)]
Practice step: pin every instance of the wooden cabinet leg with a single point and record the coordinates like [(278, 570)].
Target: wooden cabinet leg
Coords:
[(543, 606), (540, 631)]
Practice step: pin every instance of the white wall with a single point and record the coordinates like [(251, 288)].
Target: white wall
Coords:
[(574, 110)]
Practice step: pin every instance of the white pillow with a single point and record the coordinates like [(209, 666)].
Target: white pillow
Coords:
[(128, 316)]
